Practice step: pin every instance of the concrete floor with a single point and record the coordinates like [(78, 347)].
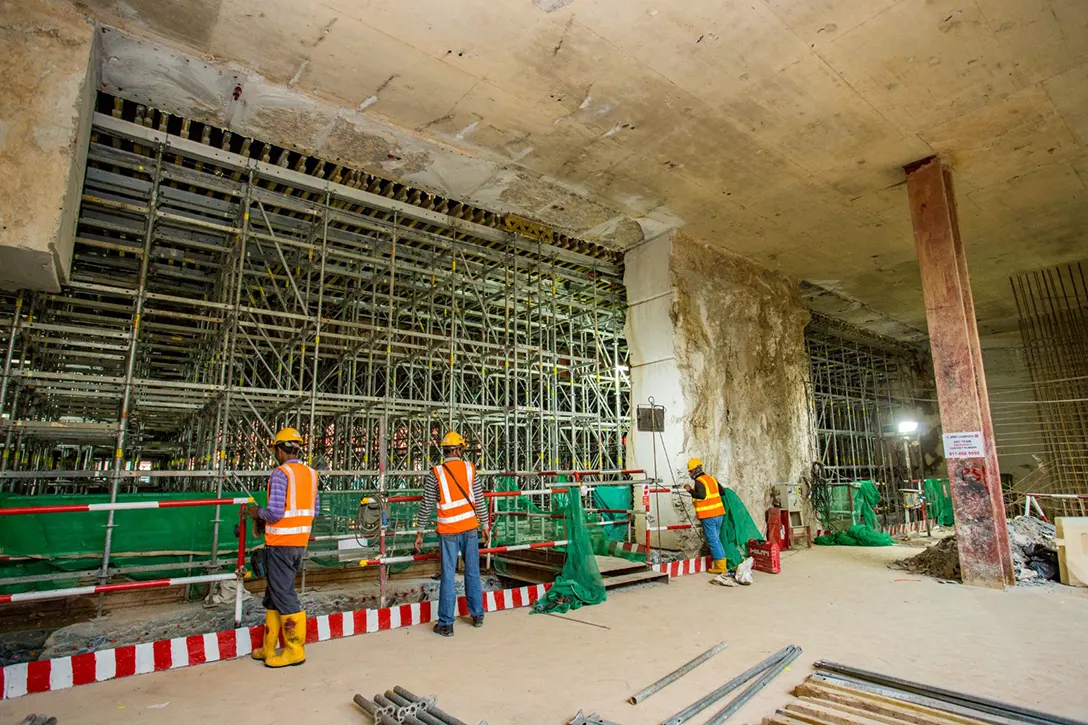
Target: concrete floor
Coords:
[(1027, 645)]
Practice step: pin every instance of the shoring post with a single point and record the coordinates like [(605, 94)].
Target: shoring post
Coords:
[(241, 568), (4, 386), (11, 350), (130, 369), (227, 368), (317, 325)]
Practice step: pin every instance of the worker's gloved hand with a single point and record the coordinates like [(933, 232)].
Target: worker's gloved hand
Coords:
[(419, 542), (688, 487), (251, 511)]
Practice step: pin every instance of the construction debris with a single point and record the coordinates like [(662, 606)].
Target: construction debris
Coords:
[(941, 560), (841, 695), (1034, 554)]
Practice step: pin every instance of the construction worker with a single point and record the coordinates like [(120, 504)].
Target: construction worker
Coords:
[(292, 504), (706, 495), (462, 513)]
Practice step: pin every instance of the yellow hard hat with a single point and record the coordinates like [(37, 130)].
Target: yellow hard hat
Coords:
[(452, 440), (694, 463), (287, 435)]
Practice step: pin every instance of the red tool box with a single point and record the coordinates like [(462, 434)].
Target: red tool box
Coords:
[(767, 555)]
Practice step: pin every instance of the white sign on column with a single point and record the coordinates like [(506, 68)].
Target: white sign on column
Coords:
[(964, 445)]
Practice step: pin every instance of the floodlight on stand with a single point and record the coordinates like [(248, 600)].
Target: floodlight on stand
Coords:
[(906, 427)]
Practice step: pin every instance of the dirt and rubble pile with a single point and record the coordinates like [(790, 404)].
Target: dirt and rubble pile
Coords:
[(942, 560), (1034, 554)]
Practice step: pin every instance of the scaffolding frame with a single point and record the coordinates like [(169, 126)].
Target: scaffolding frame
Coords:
[(223, 288), (857, 387)]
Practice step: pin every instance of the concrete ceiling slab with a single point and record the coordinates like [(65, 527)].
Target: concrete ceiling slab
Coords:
[(1009, 138), (775, 128), (924, 62)]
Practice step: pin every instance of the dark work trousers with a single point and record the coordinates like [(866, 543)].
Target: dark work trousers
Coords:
[(283, 563)]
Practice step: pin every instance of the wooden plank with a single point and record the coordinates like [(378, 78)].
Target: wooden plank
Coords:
[(843, 712), (614, 565), (838, 714), (906, 712), (638, 577), (1072, 539), (783, 718)]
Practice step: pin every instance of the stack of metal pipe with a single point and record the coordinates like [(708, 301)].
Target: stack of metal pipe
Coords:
[(400, 707)]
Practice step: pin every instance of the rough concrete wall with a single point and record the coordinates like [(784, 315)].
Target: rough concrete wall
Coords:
[(49, 85), (740, 348)]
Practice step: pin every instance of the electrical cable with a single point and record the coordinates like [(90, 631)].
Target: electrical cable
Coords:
[(819, 492), (368, 518), (672, 475)]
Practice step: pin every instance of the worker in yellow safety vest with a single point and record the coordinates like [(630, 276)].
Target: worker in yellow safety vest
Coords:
[(292, 504), (706, 495), (455, 489)]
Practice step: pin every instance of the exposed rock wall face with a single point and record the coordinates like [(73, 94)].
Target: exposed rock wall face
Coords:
[(719, 341), (740, 348)]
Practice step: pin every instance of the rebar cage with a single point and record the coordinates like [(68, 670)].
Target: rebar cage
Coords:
[(222, 288)]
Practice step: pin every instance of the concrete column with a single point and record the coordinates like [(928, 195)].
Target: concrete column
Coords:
[(974, 475), (45, 123)]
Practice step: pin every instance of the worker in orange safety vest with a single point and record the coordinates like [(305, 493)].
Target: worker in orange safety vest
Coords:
[(293, 502), (455, 489), (706, 495)]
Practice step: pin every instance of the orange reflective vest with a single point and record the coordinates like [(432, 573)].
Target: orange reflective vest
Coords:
[(712, 505), (456, 509), (298, 511)]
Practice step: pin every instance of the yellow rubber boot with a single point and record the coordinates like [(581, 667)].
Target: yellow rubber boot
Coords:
[(294, 634), (272, 626), (719, 567)]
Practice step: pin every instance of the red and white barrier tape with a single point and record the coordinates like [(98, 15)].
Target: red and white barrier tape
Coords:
[(120, 587), (685, 567), (126, 506), (110, 664)]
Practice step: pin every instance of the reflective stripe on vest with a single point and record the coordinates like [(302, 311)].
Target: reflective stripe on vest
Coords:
[(298, 514), (456, 514), (712, 505)]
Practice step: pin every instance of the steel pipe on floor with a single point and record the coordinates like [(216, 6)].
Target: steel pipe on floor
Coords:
[(709, 699), (445, 717), (675, 674)]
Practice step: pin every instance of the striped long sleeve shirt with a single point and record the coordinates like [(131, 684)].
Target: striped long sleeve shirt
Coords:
[(277, 496), (430, 499)]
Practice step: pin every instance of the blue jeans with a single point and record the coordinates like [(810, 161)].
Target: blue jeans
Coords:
[(712, 530), (468, 546)]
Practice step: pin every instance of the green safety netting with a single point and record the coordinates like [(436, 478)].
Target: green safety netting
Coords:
[(738, 528), (939, 502), (72, 542), (580, 583), (856, 535), (864, 528)]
